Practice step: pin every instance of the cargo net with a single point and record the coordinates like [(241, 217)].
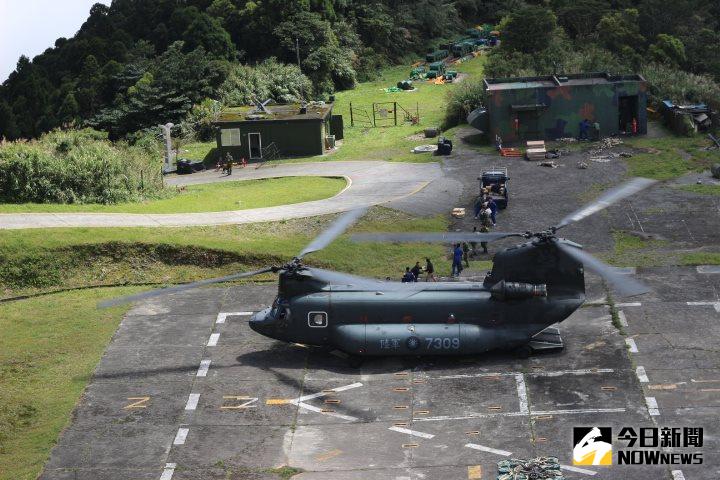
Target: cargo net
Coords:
[(540, 468)]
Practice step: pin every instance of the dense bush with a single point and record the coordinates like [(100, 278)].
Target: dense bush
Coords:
[(270, 79), (462, 100), (666, 82), (79, 167)]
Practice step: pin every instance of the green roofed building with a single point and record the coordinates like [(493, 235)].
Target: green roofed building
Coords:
[(290, 130), (552, 107)]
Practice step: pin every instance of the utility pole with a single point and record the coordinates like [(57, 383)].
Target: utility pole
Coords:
[(297, 51), (167, 166)]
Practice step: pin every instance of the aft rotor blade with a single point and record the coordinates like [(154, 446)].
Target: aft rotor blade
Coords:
[(610, 197), (623, 284), (336, 229), (449, 237), (179, 288)]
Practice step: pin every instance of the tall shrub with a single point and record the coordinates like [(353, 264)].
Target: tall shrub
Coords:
[(79, 167)]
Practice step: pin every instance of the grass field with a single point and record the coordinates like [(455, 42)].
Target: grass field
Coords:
[(48, 349), (702, 189), (211, 197), (669, 157), (389, 143)]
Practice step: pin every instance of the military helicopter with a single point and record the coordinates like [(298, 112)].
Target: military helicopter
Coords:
[(531, 287)]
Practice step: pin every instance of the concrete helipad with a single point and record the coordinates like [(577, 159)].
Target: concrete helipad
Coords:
[(370, 183), (187, 391)]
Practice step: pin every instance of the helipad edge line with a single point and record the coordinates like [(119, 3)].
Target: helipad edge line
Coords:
[(642, 375), (167, 473), (578, 470), (522, 393), (631, 343), (223, 315), (192, 401), (181, 436), (213, 341), (678, 475), (483, 448), (204, 367), (414, 433)]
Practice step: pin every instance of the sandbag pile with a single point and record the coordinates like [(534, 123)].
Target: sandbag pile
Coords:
[(540, 468)]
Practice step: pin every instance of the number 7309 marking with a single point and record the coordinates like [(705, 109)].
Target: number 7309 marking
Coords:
[(440, 343)]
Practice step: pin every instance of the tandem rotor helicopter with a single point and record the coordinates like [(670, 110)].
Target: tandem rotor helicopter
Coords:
[(531, 287)]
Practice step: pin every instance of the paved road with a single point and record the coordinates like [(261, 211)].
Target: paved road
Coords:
[(371, 183)]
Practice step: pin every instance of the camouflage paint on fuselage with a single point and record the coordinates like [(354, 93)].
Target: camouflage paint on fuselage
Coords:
[(551, 107)]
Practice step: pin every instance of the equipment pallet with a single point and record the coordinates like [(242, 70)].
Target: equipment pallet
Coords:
[(510, 152)]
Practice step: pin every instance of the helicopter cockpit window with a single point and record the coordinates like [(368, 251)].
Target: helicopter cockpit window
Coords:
[(317, 319)]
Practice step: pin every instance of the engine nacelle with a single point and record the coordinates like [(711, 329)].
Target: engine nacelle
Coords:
[(516, 291)]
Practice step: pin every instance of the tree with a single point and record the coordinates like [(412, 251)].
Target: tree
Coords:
[(618, 30), (8, 126), (90, 86), (529, 29), (206, 32), (668, 49), (579, 18), (69, 109)]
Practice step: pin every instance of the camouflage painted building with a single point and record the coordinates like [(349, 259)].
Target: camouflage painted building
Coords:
[(551, 107)]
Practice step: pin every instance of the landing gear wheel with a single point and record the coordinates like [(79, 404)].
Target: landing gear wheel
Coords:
[(355, 361), (524, 352)]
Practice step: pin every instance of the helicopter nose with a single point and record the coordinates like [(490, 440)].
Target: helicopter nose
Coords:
[(259, 321)]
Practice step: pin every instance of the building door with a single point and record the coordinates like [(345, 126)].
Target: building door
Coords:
[(255, 146), (627, 111)]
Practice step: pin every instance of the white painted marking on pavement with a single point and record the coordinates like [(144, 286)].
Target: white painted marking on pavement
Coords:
[(483, 448), (522, 393), (223, 315), (716, 305), (520, 414), (625, 270), (642, 375), (414, 433), (167, 474), (204, 367), (315, 409), (300, 401), (213, 340), (631, 343), (192, 401), (622, 318), (652, 406), (556, 373), (181, 436), (630, 304), (578, 470), (677, 475), (323, 393), (708, 269)]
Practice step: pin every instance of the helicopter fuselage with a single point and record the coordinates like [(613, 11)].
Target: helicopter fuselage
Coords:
[(513, 304)]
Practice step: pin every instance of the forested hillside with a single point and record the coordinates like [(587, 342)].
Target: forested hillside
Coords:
[(141, 62), (138, 63)]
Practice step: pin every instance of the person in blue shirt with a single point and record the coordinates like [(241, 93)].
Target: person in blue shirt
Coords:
[(408, 277), (457, 260)]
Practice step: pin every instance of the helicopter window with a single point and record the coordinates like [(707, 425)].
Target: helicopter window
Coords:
[(317, 319)]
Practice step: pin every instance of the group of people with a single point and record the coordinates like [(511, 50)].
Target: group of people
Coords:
[(486, 208), (585, 126), (413, 274)]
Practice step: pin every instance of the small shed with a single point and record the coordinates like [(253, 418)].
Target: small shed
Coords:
[(272, 131), (552, 107)]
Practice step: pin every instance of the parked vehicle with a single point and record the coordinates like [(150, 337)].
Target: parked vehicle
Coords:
[(496, 180)]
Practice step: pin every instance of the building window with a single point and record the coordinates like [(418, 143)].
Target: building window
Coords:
[(230, 137)]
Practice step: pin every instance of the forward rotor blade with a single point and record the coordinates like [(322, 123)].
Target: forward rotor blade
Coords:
[(623, 284), (344, 279), (333, 231), (610, 197), (449, 237), (179, 288)]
